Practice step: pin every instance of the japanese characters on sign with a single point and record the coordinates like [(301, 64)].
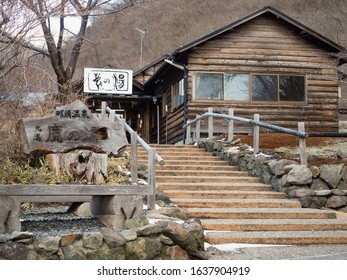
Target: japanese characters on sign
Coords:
[(72, 126), (109, 81)]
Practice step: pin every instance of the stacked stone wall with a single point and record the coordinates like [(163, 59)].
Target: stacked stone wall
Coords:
[(323, 187)]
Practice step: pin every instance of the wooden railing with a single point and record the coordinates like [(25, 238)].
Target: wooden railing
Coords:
[(153, 157), (256, 125)]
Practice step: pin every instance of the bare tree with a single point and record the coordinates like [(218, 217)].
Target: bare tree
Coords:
[(43, 13)]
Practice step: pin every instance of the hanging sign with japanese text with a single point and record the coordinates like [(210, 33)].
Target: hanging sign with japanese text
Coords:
[(108, 81), (72, 126)]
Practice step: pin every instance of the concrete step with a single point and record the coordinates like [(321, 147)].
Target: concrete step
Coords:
[(205, 173), (205, 179), (274, 224), (197, 167), (186, 157), (260, 213), (223, 194), (230, 186), (188, 163), (236, 203), (278, 237)]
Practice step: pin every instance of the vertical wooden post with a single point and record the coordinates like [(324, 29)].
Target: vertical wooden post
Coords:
[(188, 135), (113, 115), (133, 159), (231, 125), (256, 135), (151, 177), (210, 124), (302, 144), (103, 111), (197, 130)]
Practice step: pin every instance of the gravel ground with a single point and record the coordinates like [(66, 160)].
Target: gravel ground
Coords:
[(50, 221)]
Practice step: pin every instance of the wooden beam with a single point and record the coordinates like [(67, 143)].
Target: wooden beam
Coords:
[(77, 190)]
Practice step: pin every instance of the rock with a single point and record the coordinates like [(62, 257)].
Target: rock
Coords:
[(136, 222), (143, 248), (68, 239), (162, 197), (16, 251), (3, 238), (174, 253), (92, 240), (129, 235), (112, 238), (18, 235), (148, 230), (319, 184), (276, 167), (196, 230), (73, 252), (322, 192), (315, 202), (336, 201), (315, 171), (265, 174), (277, 184), (344, 174), (175, 212), (105, 253), (47, 246), (339, 192), (331, 174), (299, 175), (301, 193), (180, 236), (165, 240), (342, 185)]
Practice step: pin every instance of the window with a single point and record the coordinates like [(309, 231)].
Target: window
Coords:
[(236, 87), (264, 88), (209, 86), (177, 92), (250, 87)]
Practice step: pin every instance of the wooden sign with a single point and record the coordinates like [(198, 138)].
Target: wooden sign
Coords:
[(72, 126)]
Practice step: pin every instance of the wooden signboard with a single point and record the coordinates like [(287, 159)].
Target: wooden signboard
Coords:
[(71, 127)]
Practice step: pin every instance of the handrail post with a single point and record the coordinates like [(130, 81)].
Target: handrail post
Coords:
[(151, 177), (188, 135), (302, 144), (210, 124), (231, 125), (197, 130), (103, 111), (256, 135), (133, 159)]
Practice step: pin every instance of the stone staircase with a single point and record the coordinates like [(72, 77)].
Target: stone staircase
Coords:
[(235, 207)]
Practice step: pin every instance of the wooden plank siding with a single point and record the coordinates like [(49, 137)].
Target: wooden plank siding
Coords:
[(265, 45)]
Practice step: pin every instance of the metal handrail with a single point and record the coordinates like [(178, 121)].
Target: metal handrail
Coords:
[(142, 142), (251, 121)]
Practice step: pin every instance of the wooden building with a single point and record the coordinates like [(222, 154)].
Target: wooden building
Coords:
[(265, 63)]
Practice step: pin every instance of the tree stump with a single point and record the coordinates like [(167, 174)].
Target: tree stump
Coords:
[(82, 164)]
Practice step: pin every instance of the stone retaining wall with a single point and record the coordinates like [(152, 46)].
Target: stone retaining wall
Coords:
[(315, 187), (163, 240)]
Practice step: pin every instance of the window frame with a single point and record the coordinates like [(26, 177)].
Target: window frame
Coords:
[(250, 99)]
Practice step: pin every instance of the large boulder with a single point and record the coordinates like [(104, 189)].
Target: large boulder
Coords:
[(331, 174), (299, 175)]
